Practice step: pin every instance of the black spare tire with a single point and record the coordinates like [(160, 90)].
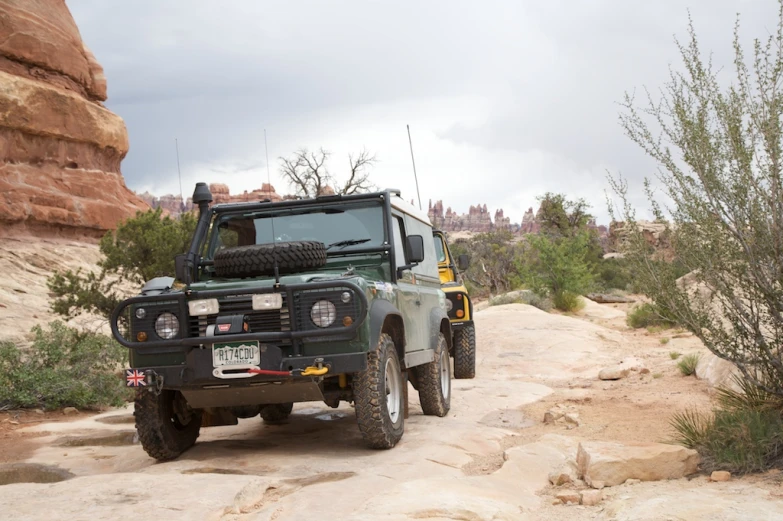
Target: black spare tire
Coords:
[(259, 259)]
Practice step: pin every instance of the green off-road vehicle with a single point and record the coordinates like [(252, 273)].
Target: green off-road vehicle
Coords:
[(330, 299)]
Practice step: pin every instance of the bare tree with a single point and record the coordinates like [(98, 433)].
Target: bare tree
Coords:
[(308, 174)]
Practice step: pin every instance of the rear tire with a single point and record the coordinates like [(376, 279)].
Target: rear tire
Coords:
[(166, 425), (435, 381), (379, 397), (465, 352), (276, 412)]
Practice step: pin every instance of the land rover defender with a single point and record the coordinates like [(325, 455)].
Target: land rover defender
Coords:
[(335, 298)]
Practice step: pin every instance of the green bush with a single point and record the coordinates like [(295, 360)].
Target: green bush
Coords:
[(63, 367), (649, 315), (614, 274), (560, 268), (744, 434), (688, 364)]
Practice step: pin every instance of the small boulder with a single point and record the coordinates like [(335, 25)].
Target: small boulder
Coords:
[(613, 373), (572, 420), (564, 474), (720, 475), (614, 463), (568, 496), (70, 410), (592, 497)]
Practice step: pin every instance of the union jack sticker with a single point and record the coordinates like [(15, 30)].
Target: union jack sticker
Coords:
[(135, 378)]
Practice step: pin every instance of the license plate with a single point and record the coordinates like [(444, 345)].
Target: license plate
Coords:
[(236, 353)]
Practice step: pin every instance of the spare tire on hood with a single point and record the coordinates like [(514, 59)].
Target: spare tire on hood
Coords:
[(258, 260)]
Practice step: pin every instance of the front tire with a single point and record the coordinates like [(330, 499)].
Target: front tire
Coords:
[(465, 352), (276, 412), (435, 381), (166, 424), (379, 397)]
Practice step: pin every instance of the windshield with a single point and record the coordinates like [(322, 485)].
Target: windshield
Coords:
[(344, 228)]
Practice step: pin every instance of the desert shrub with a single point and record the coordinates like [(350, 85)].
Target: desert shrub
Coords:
[(674, 355), (664, 340), (688, 364), (492, 262), (743, 434), (614, 274), (560, 268), (142, 248), (648, 315), (63, 367), (717, 142)]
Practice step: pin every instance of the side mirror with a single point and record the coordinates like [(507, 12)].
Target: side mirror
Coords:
[(463, 262), (179, 267), (415, 249)]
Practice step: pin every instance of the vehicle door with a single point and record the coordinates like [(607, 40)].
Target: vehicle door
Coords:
[(407, 294), (445, 263), (426, 277)]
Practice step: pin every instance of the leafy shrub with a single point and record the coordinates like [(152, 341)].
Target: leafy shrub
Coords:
[(688, 364), (648, 315), (674, 355), (63, 367), (142, 248), (614, 274), (664, 340), (560, 269), (744, 434)]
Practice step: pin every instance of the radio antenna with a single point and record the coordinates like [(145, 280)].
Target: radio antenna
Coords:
[(414, 165), (181, 194)]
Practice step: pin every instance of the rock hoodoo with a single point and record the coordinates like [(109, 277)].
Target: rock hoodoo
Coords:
[(60, 148), (172, 204)]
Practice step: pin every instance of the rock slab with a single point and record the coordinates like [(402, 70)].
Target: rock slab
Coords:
[(615, 463)]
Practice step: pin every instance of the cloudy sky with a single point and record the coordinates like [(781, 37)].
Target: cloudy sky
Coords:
[(505, 99)]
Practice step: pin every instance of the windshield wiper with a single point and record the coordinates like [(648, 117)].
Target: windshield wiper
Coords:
[(349, 242)]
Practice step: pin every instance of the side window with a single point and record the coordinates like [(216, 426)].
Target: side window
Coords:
[(440, 253), (429, 266), (399, 242)]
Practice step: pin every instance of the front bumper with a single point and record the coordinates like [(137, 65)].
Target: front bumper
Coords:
[(197, 372), (295, 335)]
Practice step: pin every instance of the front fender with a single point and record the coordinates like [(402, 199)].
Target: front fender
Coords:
[(379, 310)]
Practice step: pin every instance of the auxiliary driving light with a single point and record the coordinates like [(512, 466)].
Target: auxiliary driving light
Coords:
[(267, 301), (141, 313), (207, 306)]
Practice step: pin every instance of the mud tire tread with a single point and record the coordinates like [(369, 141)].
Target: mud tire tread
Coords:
[(369, 388), (465, 352), (158, 436), (258, 260), (433, 403)]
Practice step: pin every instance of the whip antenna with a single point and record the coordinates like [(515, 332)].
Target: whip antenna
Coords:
[(414, 165)]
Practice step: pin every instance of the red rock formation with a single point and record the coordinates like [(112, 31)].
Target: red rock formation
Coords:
[(172, 204), (60, 149)]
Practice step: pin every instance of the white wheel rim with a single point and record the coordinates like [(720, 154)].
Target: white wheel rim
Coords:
[(393, 390), (445, 375)]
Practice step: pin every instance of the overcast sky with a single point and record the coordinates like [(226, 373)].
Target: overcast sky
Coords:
[(506, 100)]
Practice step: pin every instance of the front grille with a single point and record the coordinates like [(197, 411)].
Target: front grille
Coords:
[(259, 321)]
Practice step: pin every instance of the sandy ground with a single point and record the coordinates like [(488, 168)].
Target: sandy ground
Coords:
[(487, 460)]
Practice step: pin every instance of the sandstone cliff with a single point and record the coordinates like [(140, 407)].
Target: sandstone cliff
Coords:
[(60, 149)]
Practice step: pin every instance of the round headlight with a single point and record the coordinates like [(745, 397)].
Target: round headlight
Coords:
[(345, 297), (323, 313), (167, 325), (141, 313), (449, 305)]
